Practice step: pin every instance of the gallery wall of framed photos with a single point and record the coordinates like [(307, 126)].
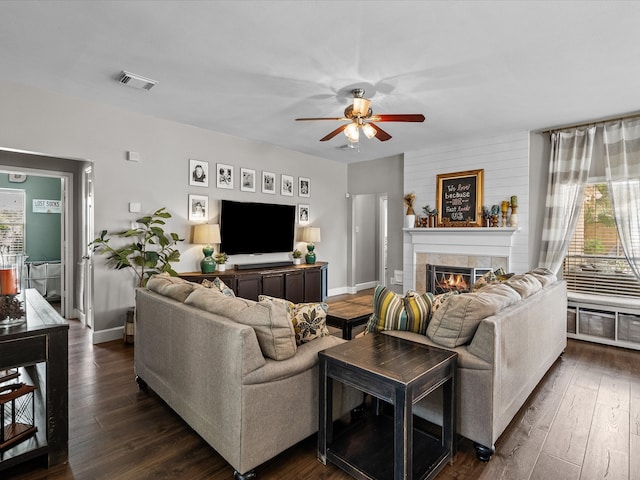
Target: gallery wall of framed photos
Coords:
[(227, 177)]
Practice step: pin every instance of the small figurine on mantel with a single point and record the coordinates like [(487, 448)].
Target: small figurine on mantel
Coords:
[(486, 216), (495, 211)]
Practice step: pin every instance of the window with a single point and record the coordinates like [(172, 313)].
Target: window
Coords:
[(595, 262), (12, 219)]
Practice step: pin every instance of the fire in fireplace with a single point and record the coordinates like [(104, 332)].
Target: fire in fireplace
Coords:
[(444, 278)]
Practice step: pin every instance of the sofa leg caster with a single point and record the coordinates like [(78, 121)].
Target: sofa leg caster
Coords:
[(250, 475), (483, 453), (141, 383)]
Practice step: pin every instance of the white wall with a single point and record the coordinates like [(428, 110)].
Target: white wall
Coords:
[(366, 235), (505, 160), (38, 121)]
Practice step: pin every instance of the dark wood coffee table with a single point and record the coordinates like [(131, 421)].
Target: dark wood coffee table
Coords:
[(401, 373), (346, 315)]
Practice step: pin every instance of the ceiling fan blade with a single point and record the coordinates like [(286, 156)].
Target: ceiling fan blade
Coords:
[(399, 117), (320, 118), (380, 134), (334, 133)]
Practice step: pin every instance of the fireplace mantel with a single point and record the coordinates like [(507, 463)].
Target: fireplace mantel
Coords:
[(496, 231), (473, 246)]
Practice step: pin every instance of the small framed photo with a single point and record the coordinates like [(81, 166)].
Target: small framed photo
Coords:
[(268, 182), (303, 213), (247, 180), (17, 177), (286, 185), (198, 173), (198, 208), (224, 176), (304, 187)]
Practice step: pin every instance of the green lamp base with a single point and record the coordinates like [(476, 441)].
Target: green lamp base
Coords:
[(208, 264), (310, 257)]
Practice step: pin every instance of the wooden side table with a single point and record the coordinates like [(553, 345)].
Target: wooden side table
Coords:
[(40, 349), (401, 373)]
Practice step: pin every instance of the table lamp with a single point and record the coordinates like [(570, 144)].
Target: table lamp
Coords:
[(311, 235), (207, 233)]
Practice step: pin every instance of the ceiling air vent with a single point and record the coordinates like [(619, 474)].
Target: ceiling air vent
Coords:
[(136, 81)]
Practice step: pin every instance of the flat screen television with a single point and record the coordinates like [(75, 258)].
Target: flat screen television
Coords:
[(248, 227)]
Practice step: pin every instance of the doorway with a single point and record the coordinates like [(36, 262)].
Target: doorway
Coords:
[(369, 241), (71, 218)]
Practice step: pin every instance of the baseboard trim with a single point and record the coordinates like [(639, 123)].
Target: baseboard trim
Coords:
[(337, 291), (366, 285), (102, 336), (80, 316)]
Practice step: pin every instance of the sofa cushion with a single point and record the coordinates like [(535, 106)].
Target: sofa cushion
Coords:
[(455, 322), (219, 285), (394, 312), (269, 320), (525, 284), (309, 320), (545, 276), (172, 287)]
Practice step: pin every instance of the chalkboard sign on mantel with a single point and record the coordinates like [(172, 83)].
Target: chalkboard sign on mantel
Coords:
[(459, 199)]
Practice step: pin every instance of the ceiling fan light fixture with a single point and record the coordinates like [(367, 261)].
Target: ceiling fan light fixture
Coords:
[(368, 130), (352, 133), (361, 106)]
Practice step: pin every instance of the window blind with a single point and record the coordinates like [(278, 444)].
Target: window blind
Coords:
[(12, 219), (595, 262)]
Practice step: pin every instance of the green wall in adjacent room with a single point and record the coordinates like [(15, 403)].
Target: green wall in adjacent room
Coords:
[(43, 229)]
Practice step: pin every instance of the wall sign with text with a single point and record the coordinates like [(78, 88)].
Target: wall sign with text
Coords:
[(47, 206), (459, 199)]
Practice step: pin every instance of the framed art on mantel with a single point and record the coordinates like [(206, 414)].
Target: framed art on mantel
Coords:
[(459, 199)]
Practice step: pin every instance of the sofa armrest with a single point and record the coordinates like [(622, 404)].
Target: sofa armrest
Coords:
[(306, 357), (484, 342)]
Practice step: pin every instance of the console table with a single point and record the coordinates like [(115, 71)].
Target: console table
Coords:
[(296, 283), (39, 348), (401, 373)]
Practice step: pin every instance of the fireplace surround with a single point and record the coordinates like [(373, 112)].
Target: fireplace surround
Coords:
[(489, 248)]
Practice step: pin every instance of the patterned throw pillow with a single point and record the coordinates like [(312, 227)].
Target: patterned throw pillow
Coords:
[(394, 312), (309, 319), (218, 285)]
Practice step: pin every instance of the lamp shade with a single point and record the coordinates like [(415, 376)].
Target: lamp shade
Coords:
[(206, 233), (311, 234)]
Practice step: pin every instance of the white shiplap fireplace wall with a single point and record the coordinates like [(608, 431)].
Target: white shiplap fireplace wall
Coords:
[(505, 161)]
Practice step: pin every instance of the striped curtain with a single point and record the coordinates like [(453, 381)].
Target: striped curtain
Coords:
[(571, 152), (622, 152)]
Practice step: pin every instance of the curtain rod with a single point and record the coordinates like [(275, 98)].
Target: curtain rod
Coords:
[(593, 122)]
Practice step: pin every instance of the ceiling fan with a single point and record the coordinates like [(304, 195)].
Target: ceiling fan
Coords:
[(361, 117)]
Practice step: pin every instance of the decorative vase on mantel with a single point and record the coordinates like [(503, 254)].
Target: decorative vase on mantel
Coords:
[(409, 221)]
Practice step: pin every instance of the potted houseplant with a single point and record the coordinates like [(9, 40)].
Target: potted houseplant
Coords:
[(297, 257), (221, 260), (150, 250)]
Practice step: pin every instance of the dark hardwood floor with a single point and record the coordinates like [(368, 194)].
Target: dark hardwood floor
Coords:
[(582, 422)]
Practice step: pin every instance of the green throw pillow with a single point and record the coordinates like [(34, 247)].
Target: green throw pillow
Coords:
[(394, 312)]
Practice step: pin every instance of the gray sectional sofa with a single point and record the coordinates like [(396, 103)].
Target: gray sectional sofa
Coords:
[(211, 359), (512, 348)]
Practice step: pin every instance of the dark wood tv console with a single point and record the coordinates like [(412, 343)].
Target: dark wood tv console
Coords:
[(296, 283)]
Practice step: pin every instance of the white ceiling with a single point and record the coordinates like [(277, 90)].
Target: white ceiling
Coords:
[(248, 68)]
